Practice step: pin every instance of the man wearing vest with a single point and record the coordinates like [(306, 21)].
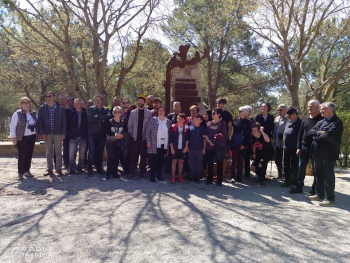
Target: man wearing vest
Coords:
[(52, 128), (325, 151)]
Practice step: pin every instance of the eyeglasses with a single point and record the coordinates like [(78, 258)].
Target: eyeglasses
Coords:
[(118, 112), (25, 102), (125, 102), (48, 96)]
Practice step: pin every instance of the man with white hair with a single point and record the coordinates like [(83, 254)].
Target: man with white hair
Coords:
[(304, 145), (150, 99), (278, 130), (326, 136), (77, 130), (240, 141)]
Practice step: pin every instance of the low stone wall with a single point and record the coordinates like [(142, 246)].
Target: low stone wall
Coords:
[(7, 148)]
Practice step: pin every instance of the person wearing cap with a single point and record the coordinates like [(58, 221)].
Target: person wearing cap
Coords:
[(137, 126), (290, 142), (156, 104)]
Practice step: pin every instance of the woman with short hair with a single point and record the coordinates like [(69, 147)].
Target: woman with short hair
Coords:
[(157, 136), (240, 141), (215, 128), (23, 131), (114, 131)]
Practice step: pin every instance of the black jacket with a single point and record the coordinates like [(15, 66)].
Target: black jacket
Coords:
[(268, 124), (97, 125), (290, 135), (72, 124), (243, 126), (326, 146)]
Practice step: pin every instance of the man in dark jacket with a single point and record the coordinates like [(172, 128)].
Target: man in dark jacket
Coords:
[(290, 140), (52, 127), (304, 145), (96, 116), (325, 151), (77, 126)]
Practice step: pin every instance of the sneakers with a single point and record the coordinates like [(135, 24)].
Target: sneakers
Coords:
[(59, 173), (173, 180), (326, 203), (181, 179), (28, 174), (309, 194), (160, 178), (296, 190), (49, 172), (315, 198)]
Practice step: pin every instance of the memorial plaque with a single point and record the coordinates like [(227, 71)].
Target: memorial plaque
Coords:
[(194, 100), (185, 86), (186, 80), (186, 93)]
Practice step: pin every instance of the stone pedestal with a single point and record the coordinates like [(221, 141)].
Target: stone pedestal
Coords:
[(186, 87)]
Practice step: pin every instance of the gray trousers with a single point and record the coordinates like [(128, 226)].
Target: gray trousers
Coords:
[(54, 142)]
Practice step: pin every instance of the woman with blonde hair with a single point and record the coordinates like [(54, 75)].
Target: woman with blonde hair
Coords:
[(23, 131)]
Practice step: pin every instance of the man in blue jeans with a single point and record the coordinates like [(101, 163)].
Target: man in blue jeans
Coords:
[(326, 147), (77, 126), (304, 145), (97, 115)]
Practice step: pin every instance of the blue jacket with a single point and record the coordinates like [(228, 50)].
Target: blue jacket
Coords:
[(60, 120), (174, 136)]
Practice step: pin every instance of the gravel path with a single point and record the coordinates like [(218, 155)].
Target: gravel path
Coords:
[(80, 219)]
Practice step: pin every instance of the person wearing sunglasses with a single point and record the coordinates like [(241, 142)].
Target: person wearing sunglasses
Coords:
[(23, 132), (52, 123), (278, 130)]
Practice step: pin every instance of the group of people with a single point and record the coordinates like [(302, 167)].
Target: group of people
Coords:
[(143, 131)]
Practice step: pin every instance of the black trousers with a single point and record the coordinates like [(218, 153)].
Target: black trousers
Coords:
[(290, 166), (260, 171), (25, 149), (157, 162), (219, 167), (139, 148), (278, 160)]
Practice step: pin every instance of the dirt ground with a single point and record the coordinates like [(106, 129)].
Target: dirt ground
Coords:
[(81, 219)]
